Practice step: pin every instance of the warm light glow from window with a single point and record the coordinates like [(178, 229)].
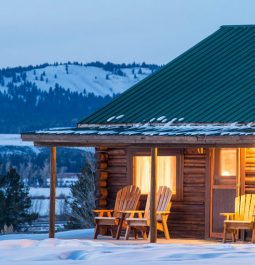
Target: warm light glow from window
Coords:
[(228, 162), (166, 172)]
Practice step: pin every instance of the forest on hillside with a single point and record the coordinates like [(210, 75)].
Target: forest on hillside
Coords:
[(25, 106)]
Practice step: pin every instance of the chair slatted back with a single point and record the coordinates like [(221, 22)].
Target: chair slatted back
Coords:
[(245, 207), (163, 201), (127, 199)]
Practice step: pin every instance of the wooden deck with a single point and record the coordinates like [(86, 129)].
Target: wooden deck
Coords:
[(131, 241), (159, 241)]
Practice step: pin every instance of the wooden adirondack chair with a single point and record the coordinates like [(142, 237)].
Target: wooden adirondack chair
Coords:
[(127, 199), (142, 222), (242, 218)]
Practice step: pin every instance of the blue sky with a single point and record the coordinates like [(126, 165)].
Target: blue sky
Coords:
[(154, 31)]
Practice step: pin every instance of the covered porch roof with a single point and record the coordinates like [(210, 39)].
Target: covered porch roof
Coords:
[(146, 134)]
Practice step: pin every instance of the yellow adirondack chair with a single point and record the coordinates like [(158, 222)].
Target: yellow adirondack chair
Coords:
[(127, 199), (142, 222), (242, 218)]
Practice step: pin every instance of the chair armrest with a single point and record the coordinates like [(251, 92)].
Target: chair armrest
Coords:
[(163, 212), (133, 213), (228, 216), (103, 211), (130, 211)]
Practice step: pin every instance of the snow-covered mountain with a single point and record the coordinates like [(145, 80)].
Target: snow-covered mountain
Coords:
[(44, 96), (76, 77)]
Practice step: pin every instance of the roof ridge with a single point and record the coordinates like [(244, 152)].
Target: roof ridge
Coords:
[(238, 26)]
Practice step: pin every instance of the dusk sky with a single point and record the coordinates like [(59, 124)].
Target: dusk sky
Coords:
[(154, 31)]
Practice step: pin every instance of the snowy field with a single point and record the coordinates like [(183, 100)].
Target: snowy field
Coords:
[(13, 140), (71, 248)]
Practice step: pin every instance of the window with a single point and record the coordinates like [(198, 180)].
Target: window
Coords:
[(166, 172), (228, 162), (226, 166)]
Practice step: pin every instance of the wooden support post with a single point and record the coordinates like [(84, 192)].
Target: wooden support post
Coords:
[(153, 217), (53, 172)]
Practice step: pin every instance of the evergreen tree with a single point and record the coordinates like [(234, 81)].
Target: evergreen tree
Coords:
[(2, 83), (66, 68), (14, 78), (83, 193), (14, 201), (24, 76)]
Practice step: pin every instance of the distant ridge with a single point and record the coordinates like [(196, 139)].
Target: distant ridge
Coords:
[(59, 94)]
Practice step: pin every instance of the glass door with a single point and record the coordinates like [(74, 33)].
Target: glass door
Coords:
[(225, 178)]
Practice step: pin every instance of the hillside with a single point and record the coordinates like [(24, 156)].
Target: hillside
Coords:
[(45, 96)]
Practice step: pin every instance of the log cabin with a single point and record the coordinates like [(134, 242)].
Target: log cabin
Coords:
[(194, 119)]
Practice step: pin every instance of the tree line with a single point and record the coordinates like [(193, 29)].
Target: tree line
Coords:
[(25, 107)]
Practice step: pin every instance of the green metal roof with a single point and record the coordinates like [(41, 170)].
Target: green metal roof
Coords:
[(214, 81)]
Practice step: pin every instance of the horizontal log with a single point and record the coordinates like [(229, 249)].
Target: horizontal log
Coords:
[(102, 156), (194, 181), (102, 148), (103, 175), (103, 192), (187, 206), (186, 219), (102, 165), (102, 203), (117, 169), (117, 157), (194, 170), (117, 162), (195, 189), (118, 175), (186, 227), (117, 152), (102, 183)]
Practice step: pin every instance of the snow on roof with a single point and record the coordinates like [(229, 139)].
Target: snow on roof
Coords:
[(168, 129)]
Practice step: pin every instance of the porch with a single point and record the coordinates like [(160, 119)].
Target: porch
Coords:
[(87, 234), (199, 171)]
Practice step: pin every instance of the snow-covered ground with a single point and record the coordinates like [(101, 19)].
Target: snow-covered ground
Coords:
[(76, 247), (41, 200)]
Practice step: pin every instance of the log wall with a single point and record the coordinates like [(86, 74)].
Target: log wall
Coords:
[(249, 178), (188, 215)]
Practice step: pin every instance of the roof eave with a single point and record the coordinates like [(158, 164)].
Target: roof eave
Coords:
[(99, 140)]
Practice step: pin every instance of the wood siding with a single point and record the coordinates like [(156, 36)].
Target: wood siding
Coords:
[(249, 180), (187, 218)]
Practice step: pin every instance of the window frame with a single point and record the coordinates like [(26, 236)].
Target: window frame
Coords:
[(161, 152)]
